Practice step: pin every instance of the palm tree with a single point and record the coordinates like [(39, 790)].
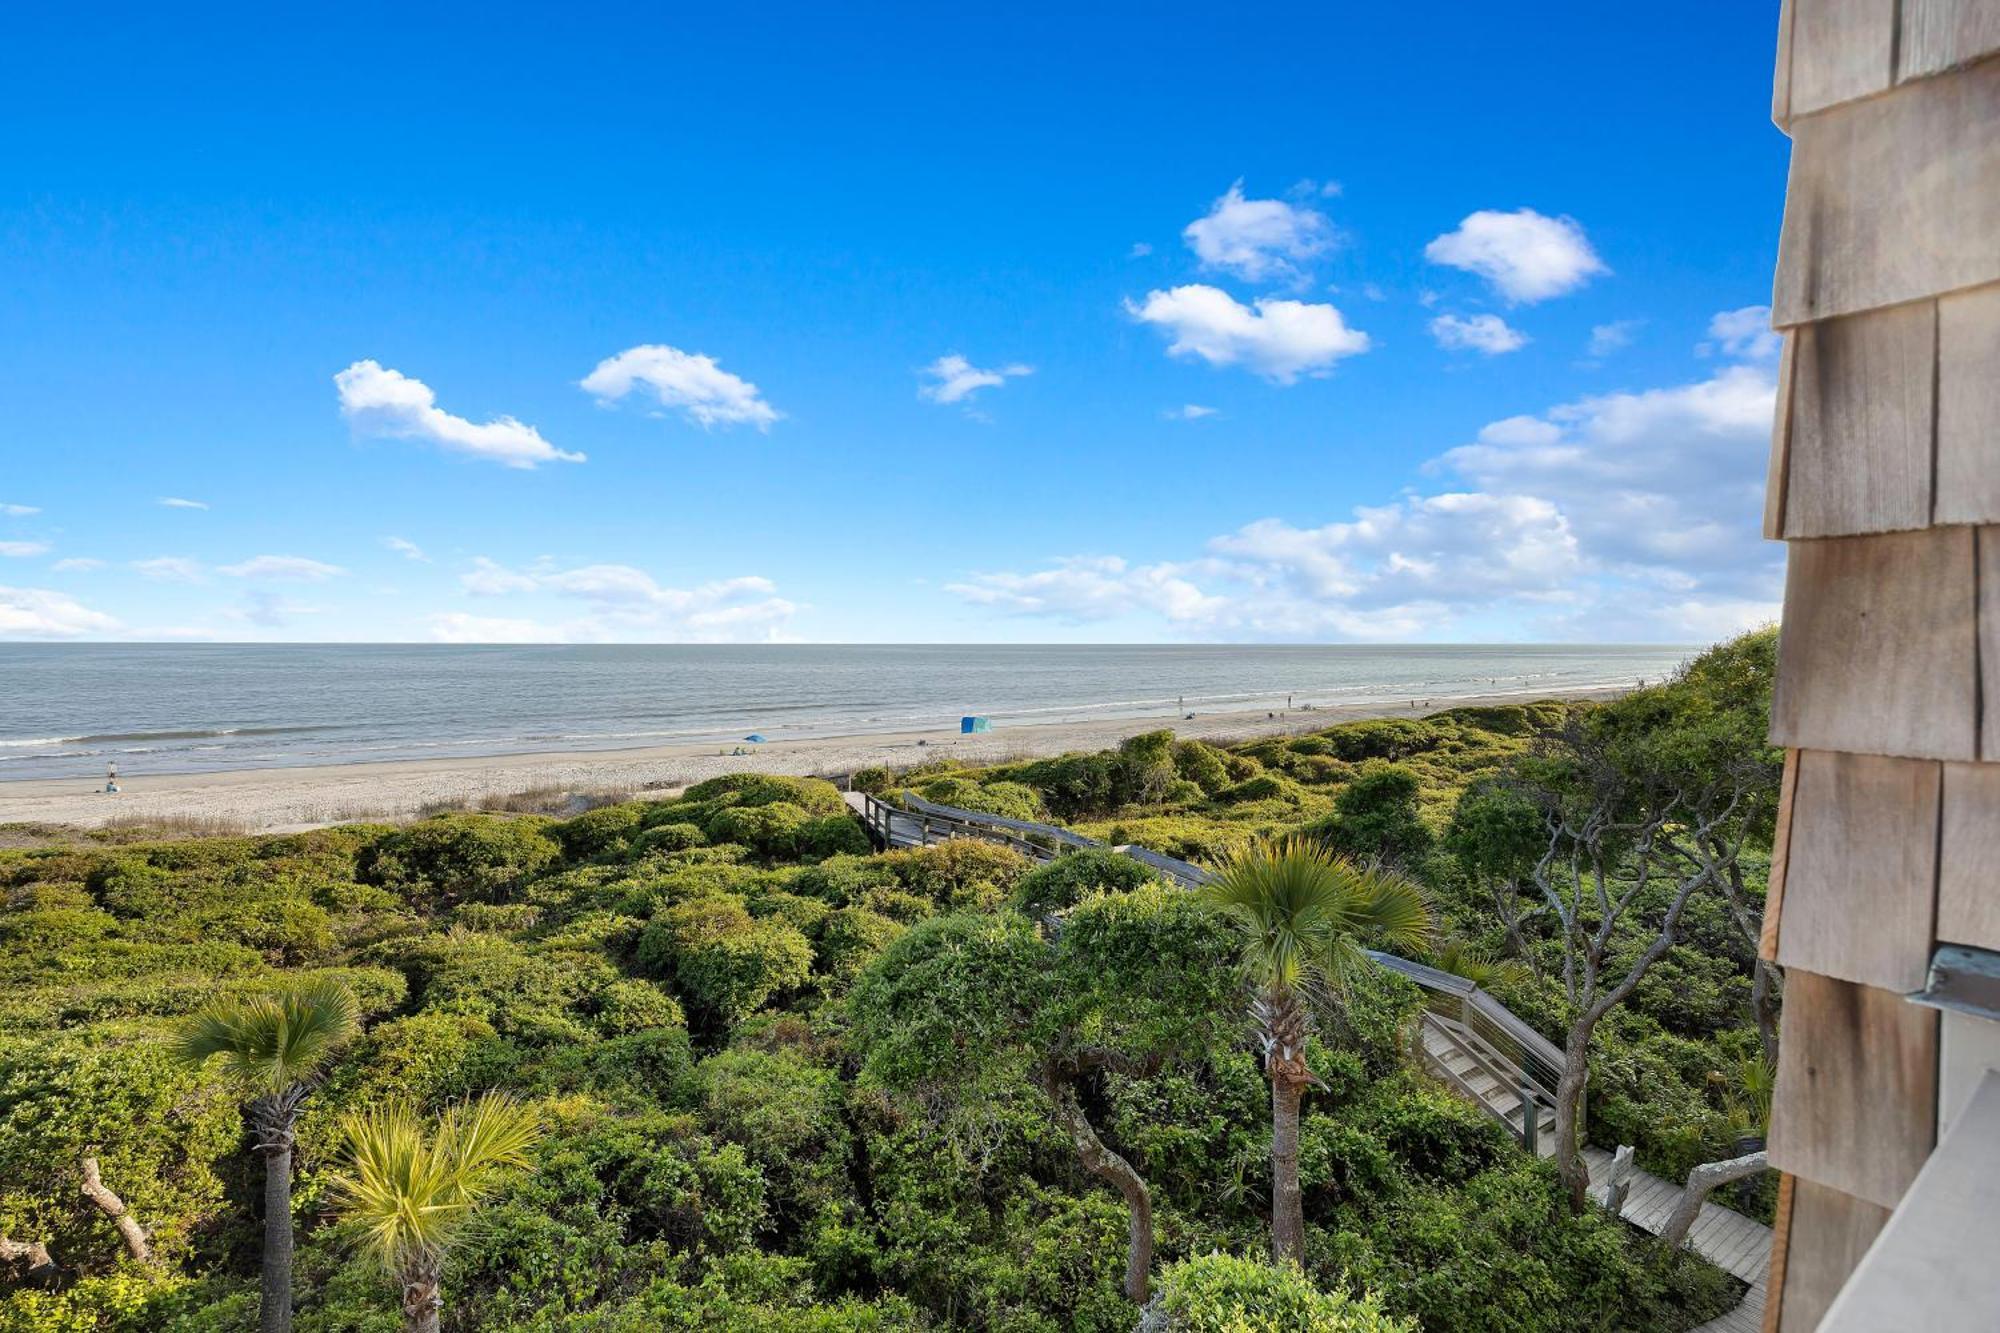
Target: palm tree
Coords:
[(412, 1193), (275, 1049), (1301, 912)]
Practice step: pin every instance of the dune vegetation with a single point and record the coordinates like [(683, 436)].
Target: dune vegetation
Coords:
[(711, 1062)]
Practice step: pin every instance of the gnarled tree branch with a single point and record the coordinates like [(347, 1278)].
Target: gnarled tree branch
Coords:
[(114, 1208)]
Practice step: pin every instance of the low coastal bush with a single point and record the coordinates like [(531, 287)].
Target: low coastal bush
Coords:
[(1219, 1293), (483, 858)]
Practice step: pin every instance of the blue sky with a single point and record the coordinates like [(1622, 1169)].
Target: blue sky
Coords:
[(910, 323)]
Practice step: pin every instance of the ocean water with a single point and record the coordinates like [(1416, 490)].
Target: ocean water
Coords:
[(68, 709)]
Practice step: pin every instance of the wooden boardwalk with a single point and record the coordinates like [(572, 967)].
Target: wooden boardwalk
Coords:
[(1489, 1058)]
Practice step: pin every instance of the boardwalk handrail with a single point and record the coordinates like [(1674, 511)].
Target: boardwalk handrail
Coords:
[(1537, 1060)]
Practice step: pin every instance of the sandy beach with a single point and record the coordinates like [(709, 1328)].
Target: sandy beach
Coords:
[(279, 799)]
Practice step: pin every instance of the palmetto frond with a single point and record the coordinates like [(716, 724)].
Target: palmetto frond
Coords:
[(273, 1043), (412, 1191), (1304, 912)]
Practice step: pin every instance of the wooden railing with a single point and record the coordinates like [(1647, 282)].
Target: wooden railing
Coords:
[(1525, 1066)]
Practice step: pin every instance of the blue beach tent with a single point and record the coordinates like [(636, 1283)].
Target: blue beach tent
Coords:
[(755, 738), (968, 725)]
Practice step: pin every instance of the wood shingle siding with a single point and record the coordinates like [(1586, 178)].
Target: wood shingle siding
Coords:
[(1856, 1104), (1861, 872), (1968, 405), (1885, 482), (1968, 910), (1826, 1235), (1841, 50), (1938, 35), (1892, 199), (1877, 654), (1862, 411)]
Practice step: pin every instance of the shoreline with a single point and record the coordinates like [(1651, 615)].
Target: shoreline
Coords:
[(270, 800)]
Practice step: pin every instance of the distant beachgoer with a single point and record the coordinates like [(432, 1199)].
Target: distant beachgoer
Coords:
[(1288, 701)]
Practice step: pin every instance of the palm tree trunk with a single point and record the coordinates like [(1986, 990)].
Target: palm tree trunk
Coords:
[(276, 1313), (1288, 1213), (1115, 1171), (423, 1302)]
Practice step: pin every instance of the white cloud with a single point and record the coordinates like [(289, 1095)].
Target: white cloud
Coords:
[(688, 383), (1258, 240), (458, 627), (38, 613), (628, 604), (1278, 339), (1139, 250), (1632, 515), (288, 568), (1608, 338), (77, 564), (170, 569), (379, 401), (18, 511), (954, 379), (1489, 334), (1745, 333), (1085, 588), (1526, 256), (1188, 412), (22, 550), (270, 610), (177, 502), (406, 548)]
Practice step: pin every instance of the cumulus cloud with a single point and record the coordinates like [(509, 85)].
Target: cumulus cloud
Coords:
[(39, 613), (1489, 334), (22, 550), (179, 502), (689, 383), (379, 401), (1278, 339), (1629, 515), (953, 379), (626, 603), (18, 511), (1745, 333), (170, 569), (1525, 256), (1608, 338), (1259, 240), (285, 568), (406, 548), (1188, 412)]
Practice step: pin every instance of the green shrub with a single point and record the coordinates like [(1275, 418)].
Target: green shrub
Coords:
[(874, 780), (1058, 885), (724, 962), (599, 833), (1010, 800), (1263, 787), (453, 857), (833, 835), (814, 795), (848, 940), (775, 829), (1202, 764), (658, 839), (1375, 817), (1219, 1293)]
